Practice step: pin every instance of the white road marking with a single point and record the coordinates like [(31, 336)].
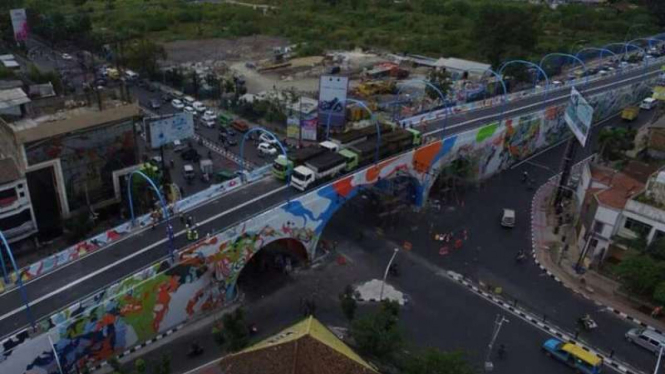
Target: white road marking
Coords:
[(137, 253)]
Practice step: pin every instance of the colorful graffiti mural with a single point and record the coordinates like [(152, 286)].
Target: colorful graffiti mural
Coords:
[(159, 297)]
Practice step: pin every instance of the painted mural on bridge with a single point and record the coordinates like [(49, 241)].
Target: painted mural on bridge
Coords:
[(159, 298)]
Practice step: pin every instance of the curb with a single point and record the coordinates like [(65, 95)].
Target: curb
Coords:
[(607, 360), (619, 313), (140, 346)]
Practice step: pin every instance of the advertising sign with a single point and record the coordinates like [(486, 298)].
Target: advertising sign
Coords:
[(166, 129), (578, 116), (332, 100), (292, 128), (20, 24), (309, 129)]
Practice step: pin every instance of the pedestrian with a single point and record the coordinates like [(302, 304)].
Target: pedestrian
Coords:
[(189, 220), (182, 192), (656, 311), (182, 218), (577, 333), (525, 176), (458, 243), (209, 154), (172, 164)]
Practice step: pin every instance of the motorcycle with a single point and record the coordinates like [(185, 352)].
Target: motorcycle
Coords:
[(520, 257), (393, 270), (195, 350), (587, 323)]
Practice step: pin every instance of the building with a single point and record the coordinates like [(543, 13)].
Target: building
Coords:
[(619, 206), (457, 67), (66, 150), (17, 218), (307, 347)]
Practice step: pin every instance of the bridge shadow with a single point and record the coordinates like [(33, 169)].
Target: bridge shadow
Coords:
[(271, 268)]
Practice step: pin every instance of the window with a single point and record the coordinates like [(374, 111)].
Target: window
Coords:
[(598, 227), (637, 227)]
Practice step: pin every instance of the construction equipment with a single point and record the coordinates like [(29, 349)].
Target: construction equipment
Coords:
[(630, 113), (379, 87)]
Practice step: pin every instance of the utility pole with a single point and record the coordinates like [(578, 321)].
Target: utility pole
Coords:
[(498, 322), (385, 274), (568, 158), (660, 355)]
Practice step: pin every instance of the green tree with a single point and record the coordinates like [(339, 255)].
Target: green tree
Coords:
[(659, 293), (140, 366), (143, 55), (501, 31), (348, 303), (434, 361), (235, 333), (641, 274), (614, 141), (657, 249), (440, 79), (377, 334), (657, 8)]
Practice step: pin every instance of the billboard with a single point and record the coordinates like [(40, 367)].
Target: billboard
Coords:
[(332, 100), (166, 129), (307, 128), (659, 93), (20, 24), (578, 116)]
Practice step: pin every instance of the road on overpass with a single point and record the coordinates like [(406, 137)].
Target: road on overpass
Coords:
[(57, 290)]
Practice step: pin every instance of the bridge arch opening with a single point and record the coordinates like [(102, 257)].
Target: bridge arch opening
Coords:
[(271, 268)]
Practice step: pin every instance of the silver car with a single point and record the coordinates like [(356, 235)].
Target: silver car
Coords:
[(646, 338)]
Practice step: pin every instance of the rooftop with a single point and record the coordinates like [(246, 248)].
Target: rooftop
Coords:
[(77, 115), (453, 63), (304, 348), (620, 186), (12, 97)]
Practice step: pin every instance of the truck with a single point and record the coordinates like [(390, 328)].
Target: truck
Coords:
[(224, 119), (352, 137), (630, 113), (318, 169), (283, 165), (392, 143)]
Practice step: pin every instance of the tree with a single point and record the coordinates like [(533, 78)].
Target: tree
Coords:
[(377, 334), (348, 303), (659, 293), (641, 274), (143, 55), (140, 366), (235, 334), (657, 249), (614, 142), (434, 361), (440, 79), (657, 8), (505, 30)]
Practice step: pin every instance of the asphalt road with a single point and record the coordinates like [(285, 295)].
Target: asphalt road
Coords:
[(488, 254), (47, 293)]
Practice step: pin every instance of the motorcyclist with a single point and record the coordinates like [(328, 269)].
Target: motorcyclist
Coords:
[(501, 352), (520, 256)]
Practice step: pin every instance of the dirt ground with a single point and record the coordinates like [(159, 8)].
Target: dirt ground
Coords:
[(240, 49)]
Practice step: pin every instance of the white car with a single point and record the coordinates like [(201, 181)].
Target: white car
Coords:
[(199, 107), (557, 83), (268, 139), (66, 56), (177, 104), (209, 123), (209, 115), (266, 149), (189, 100), (189, 109)]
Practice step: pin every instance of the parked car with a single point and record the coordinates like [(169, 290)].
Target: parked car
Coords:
[(227, 130), (66, 56), (188, 100), (208, 123), (209, 115), (155, 103), (177, 104), (266, 149), (231, 141), (199, 107), (178, 146), (267, 138), (189, 109), (240, 126), (508, 218)]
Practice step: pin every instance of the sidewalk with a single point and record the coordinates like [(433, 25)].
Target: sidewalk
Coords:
[(548, 254)]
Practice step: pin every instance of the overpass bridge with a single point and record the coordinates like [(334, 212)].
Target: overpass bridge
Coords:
[(126, 294)]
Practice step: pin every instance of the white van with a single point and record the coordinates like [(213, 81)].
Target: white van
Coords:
[(131, 76), (188, 171), (646, 338), (648, 103), (508, 218)]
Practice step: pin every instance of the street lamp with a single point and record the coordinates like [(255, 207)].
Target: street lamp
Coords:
[(385, 274), (489, 366), (660, 355)]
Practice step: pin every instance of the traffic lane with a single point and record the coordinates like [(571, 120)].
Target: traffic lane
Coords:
[(51, 285), (441, 313), (476, 116), (483, 259)]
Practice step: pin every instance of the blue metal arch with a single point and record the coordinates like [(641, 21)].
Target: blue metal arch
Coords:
[(567, 55), (647, 39), (169, 228), (601, 50), (624, 47), (503, 85), (372, 117), (446, 109), (524, 62), (261, 129), (19, 281)]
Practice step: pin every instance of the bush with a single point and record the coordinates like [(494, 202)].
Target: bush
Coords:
[(659, 293), (235, 334), (377, 334)]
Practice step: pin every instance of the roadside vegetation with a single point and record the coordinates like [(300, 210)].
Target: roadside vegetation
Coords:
[(475, 29)]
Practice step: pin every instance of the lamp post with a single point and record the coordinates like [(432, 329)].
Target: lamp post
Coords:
[(660, 355), (55, 354), (385, 274), (498, 322)]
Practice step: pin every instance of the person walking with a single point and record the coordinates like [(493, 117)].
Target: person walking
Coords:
[(525, 176)]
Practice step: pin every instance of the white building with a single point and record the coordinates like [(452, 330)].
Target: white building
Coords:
[(17, 218), (619, 204), (457, 67)]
